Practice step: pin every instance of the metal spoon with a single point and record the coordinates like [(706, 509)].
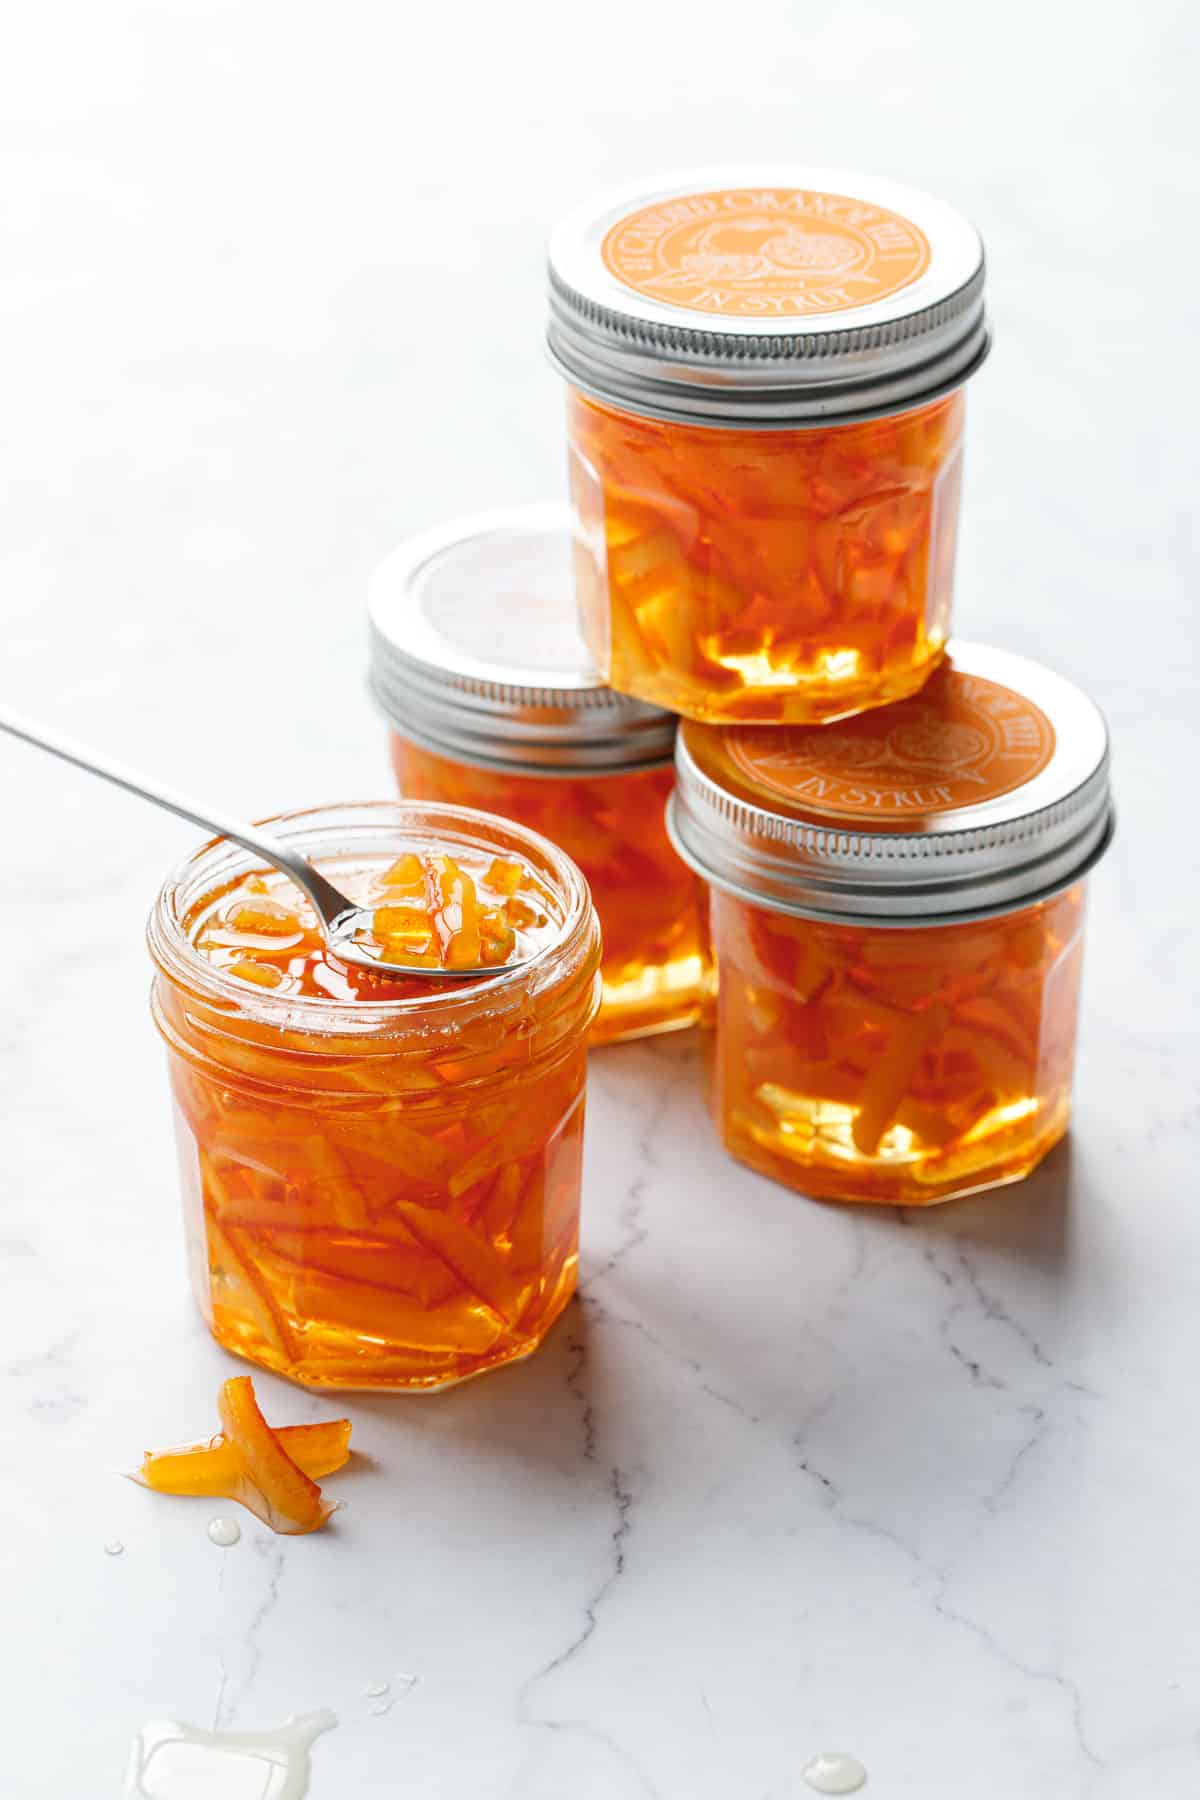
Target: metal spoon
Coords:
[(341, 918)]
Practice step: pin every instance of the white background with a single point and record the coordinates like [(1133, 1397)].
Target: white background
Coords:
[(270, 298)]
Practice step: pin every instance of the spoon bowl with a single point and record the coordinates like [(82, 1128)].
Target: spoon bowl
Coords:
[(342, 940)]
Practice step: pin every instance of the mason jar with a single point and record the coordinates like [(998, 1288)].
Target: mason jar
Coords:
[(379, 1192), (765, 430), (493, 702), (898, 920)]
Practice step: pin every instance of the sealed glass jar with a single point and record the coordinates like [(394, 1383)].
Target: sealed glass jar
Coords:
[(765, 431), (493, 702), (898, 910), (380, 1176)]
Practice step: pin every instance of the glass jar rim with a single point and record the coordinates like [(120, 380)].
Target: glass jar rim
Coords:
[(331, 829)]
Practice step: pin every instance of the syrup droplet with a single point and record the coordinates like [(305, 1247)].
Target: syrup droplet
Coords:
[(224, 1533), (375, 1690), (114, 1547), (380, 1707), (834, 1773), (170, 1761)]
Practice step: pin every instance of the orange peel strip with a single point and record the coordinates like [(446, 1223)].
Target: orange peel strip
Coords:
[(271, 1486), (210, 1469)]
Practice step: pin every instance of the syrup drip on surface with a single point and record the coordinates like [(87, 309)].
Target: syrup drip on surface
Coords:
[(834, 1772), (172, 1761)]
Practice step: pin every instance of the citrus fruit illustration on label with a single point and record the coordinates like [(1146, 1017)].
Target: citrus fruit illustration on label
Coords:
[(748, 252), (960, 742)]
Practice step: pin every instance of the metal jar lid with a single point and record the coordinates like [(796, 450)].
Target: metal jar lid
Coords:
[(475, 655), (983, 793), (767, 297)]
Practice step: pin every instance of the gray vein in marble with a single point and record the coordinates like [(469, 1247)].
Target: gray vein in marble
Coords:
[(630, 1212), (607, 1315), (728, 1400), (576, 1369), (58, 1351), (583, 1728), (938, 1578), (272, 1553), (1031, 1671), (623, 1499), (993, 1309), (982, 1304), (1041, 1426)]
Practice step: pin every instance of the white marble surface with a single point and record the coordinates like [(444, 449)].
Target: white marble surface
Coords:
[(788, 1478)]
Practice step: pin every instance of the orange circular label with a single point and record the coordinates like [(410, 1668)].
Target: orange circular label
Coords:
[(959, 742), (765, 252)]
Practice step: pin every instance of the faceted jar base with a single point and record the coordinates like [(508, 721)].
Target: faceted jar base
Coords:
[(812, 700), (332, 1359), (653, 1000), (1010, 1156), (901, 1067)]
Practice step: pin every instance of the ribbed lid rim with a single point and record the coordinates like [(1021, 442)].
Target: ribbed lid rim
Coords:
[(673, 361), (969, 861), (558, 721)]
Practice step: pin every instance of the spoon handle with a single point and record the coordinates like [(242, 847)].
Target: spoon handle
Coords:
[(330, 903)]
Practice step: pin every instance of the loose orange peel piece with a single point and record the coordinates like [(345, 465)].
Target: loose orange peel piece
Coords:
[(210, 1468), (272, 1473), (272, 1486)]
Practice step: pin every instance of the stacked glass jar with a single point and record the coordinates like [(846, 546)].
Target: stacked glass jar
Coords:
[(766, 376), (493, 703)]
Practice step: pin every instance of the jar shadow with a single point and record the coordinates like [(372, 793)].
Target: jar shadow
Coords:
[(535, 1411), (1029, 1220), (551, 1410)]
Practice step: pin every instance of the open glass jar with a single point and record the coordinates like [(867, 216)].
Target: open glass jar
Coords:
[(379, 1191), (493, 702), (898, 908), (765, 429)]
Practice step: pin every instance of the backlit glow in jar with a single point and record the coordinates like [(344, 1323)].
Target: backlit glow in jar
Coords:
[(897, 915), (493, 703), (765, 425), (380, 1175)]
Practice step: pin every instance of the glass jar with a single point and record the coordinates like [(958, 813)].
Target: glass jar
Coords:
[(897, 916), (765, 430), (493, 703), (380, 1193)]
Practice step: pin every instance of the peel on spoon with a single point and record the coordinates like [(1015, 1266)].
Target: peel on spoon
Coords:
[(344, 924)]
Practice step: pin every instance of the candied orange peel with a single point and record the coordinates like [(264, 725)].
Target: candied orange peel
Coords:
[(444, 923), (272, 1472), (859, 1062), (428, 911), (386, 1201), (772, 575)]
